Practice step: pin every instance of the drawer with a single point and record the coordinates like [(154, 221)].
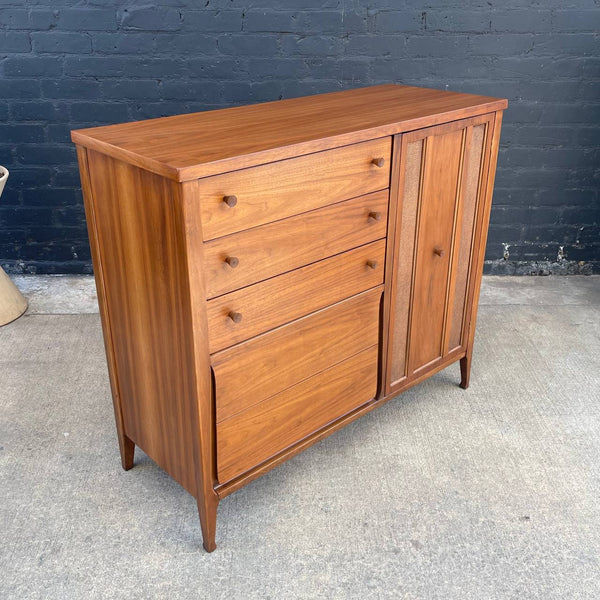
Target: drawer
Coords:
[(282, 299), (242, 199), (261, 431), (264, 366), (250, 256)]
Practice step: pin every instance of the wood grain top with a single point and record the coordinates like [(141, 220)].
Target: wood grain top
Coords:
[(186, 147)]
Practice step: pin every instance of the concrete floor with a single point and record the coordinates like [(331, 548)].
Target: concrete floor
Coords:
[(493, 492)]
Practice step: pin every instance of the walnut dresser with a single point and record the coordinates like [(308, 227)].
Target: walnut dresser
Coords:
[(268, 273)]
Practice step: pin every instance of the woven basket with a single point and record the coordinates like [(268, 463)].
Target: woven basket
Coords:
[(12, 303)]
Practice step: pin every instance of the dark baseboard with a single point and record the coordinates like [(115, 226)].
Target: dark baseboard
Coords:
[(491, 267), (540, 267)]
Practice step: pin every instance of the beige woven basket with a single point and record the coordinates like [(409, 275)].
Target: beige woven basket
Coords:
[(12, 302)]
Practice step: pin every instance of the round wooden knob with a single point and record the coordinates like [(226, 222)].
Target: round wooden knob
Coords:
[(378, 162), (439, 251), (236, 317), (372, 264), (232, 261), (375, 215), (231, 201)]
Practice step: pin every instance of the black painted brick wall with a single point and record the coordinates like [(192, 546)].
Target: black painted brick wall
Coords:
[(67, 65)]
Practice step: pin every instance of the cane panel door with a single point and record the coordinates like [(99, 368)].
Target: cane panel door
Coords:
[(441, 193)]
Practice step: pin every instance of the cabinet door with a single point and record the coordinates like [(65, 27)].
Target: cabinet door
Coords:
[(440, 183)]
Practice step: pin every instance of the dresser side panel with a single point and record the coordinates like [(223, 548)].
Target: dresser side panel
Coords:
[(126, 447), (141, 243)]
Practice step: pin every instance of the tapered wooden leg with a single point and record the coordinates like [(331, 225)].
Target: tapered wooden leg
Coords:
[(465, 371), (207, 509), (127, 448)]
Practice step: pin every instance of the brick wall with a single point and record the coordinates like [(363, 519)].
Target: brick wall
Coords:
[(64, 65)]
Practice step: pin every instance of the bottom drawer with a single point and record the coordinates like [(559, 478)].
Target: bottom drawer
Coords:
[(262, 430), (264, 366)]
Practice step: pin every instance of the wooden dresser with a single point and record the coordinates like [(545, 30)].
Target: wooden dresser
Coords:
[(268, 273)]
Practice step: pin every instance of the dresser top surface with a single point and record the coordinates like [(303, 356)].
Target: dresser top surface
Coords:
[(186, 147)]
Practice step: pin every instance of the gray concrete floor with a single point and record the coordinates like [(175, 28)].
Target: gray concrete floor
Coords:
[(493, 492)]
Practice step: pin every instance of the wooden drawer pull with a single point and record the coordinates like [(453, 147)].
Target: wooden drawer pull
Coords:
[(439, 251), (231, 201), (232, 261), (378, 162), (236, 317), (372, 264), (375, 215)]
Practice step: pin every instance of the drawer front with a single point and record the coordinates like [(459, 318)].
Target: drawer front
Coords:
[(282, 299), (250, 256), (242, 199), (254, 435), (264, 366)]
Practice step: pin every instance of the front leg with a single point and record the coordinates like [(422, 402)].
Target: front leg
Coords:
[(465, 371), (127, 449), (207, 509)]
